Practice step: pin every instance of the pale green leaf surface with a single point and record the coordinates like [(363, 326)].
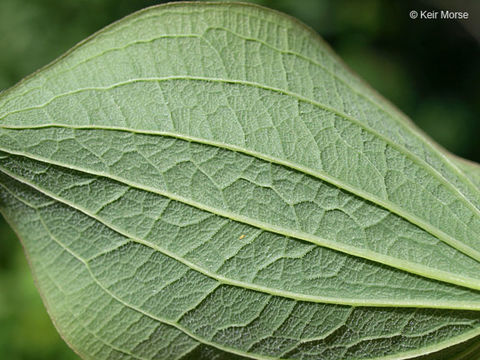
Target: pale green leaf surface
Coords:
[(213, 244), (463, 351), (111, 307), (472, 170), (205, 181)]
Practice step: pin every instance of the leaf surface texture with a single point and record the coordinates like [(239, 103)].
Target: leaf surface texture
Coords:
[(208, 181)]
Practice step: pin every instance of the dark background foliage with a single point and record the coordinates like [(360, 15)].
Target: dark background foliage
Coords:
[(429, 69)]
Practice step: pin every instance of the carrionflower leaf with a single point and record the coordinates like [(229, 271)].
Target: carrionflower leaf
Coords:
[(208, 181)]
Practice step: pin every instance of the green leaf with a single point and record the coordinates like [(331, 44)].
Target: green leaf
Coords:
[(470, 169), (208, 181)]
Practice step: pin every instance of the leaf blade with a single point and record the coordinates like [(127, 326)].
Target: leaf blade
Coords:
[(110, 215), (100, 115), (126, 297)]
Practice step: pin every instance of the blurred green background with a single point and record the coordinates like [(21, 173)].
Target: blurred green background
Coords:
[(429, 69)]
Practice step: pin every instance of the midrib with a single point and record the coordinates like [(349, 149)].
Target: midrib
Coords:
[(369, 196), (404, 265), (391, 207)]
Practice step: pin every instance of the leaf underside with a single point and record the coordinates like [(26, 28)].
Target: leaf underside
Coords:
[(208, 181)]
